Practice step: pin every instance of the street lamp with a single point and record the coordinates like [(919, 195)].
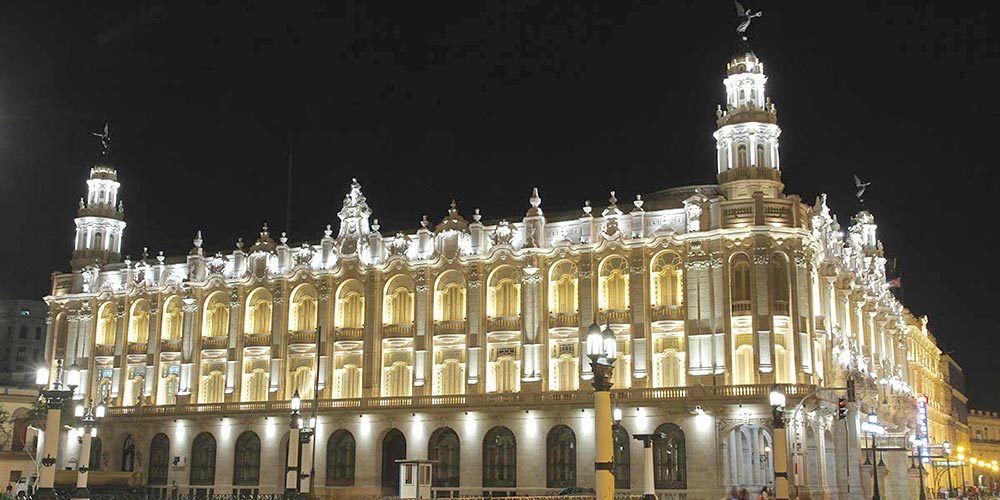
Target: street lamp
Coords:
[(55, 396), (294, 445), (648, 483), (776, 398), (874, 428), (602, 349), (89, 417), (305, 439)]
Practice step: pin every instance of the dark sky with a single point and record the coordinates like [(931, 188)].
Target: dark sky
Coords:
[(425, 101)]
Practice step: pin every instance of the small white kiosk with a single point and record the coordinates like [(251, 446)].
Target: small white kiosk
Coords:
[(415, 478)]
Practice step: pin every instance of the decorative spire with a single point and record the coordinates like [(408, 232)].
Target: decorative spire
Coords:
[(535, 202), (476, 216), (353, 220), (239, 244), (587, 209), (638, 203), (453, 221), (612, 206), (198, 240), (264, 242)]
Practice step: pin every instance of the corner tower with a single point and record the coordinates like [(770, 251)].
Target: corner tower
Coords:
[(100, 220), (747, 136)]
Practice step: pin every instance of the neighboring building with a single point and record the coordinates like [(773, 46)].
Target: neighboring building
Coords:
[(22, 341), (461, 341), (984, 427), (17, 441)]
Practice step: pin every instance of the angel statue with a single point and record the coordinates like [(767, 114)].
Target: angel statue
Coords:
[(745, 17), (105, 137), (861, 186)]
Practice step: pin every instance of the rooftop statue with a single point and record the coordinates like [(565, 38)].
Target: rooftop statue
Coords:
[(745, 17)]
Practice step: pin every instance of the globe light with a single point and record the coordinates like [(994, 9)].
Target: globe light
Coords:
[(42, 376), (594, 341), (78, 411), (93, 432), (296, 401), (102, 410), (776, 398), (960, 449), (618, 414), (73, 376), (873, 418), (312, 422), (610, 344)]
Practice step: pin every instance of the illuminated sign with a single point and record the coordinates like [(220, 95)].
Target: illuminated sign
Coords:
[(922, 435)]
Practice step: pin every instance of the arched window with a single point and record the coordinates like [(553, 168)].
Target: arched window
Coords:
[(444, 447), (128, 454), (499, 459), (669, 458), (614, 284), (398, 302), (667, 280), (779, 283), (138, 325), (246, 463), (340, 459), (159, 460), (740, 284), (504, 295), (303, 311), (741, 155), (760, 155), (351, 305), (216, 322), (562, 288), (213, 387), (560, 458), (621, 442), (106, 323), (743, 369), (96, 454), (449, 297), (393, 448), (258, 312), (173, 319), (203, 460)]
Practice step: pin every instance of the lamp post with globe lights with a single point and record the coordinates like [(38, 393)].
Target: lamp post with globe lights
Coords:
[(55, 395), (602, 349), (292, 470), (776, 398), (89, 417)]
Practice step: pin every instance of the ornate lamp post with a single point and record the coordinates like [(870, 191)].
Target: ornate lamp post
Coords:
[(305, 439), (602, 349), (648, 482), (55, 397), (89, 417), (294, 444), (777, 400), (873, 428)]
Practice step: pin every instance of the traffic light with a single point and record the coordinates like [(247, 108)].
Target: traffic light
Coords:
[(850, 390), (841, 409)]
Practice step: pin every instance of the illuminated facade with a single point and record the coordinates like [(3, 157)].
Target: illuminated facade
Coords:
[(460, 341)]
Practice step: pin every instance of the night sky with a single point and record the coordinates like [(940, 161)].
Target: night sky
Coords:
[(425, 101)]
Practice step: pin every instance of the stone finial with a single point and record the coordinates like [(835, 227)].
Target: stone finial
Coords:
[(239, 243), (535, 200), (82, 206), (198, 240), (160, 257), (328, 232), (284, 238), (145, 254), (587, 208), (612, 201), (476, 216), (424, 223), (376, 226), (638, 202)]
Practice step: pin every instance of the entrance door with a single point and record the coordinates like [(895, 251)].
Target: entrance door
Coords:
[(393, 448)]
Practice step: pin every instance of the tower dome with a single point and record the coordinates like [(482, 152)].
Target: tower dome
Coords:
[(100, 220)]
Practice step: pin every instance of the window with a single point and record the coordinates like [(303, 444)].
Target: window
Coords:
[(128, 454), (340, 459), (203, 460), (560, 458), (669, 460), (159, 460), (20, 353), (96, 454), (614, 278), (246, 463), (22, 333), (621, 439), (35, 354), (38, 333), (499, 459), (443, 447)]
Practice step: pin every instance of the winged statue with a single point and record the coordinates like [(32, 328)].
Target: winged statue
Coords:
[(745, 17), (105, 137), (860, 186)]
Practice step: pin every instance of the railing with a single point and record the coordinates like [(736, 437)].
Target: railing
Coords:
[(669, 313), (741, 308), (308, 336), (104, 350), (171, 345), (138, 347), (781, 307), (506, 324), (257, 340), (347, 333), (730, 393), (771, 212), (564, 320), (452, 326), (403, 330), (615, 316), (220, 342)]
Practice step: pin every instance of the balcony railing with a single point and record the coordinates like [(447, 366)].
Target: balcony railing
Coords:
[(564, 320), (741, 308), (304, 337), (348, 333), (669, 313), (449, 327), (220, 342), (171, 345), (615, 316), (781, 307), (403, 330), (257, 340), (137, 347), (749, 394), (508, 324), (104, 350)]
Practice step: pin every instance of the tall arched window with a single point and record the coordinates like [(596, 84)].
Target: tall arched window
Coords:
[(258, 312), (96, 454), (303, 310), (499, 459), (159, 460), (614, 284), (669, 458), (741, 153), (398, 302), (779, 284), (106, 324), (128, 454), (504, 295), (740, 284), (203, 460), (449, 297), (213, 387), (138, 325), (173, 319), (560, 458), (393, 448), (621, 442), (759, 159), (667, 280), (562, 288), (444, 447), (351, 305), (216, 322), (246, 462), (340, 459)]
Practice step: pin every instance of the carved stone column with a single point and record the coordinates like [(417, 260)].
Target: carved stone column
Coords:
[(639, 301), (371, 349), (423, 330), (323, 321), (585, 302), (531, 314), (475, 361)]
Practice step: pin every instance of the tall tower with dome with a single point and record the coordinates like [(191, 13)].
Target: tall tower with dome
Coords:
[(100, 220)]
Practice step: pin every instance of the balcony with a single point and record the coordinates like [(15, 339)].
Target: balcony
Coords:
[(257, 340), (104, 350), (403, 330), (348, 333), (505, 324), (669, 313), (138, 347), (615, 317), (220, 342), (781, 307), (564, 320), (305, 336), (770, 212), (449, 327), (170, 345), (741, 308)]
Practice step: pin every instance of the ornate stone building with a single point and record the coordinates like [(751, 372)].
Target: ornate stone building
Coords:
[(460, 340)]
